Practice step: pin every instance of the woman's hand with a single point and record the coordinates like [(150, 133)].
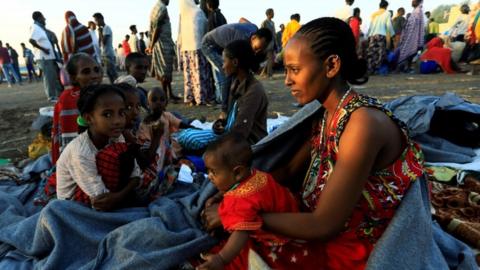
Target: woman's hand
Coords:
[(210, 217)]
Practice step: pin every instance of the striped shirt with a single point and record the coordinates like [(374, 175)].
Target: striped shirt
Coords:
[(65, 127)]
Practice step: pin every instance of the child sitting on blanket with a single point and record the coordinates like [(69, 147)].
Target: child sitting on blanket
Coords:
[(137, 66), (133, 108), (247, 193), (155, 130), (79, 177)]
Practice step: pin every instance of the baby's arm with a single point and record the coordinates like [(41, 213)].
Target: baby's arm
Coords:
[(236, 242)]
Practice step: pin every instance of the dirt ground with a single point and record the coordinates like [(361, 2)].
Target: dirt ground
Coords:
[(19, 105)]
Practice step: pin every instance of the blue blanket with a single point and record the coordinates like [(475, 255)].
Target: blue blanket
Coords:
[(67, 235)]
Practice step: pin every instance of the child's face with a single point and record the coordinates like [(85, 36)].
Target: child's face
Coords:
[(88, 73), (219, 174), (132, 102), (230, 66), (108, 116), (139, 69), (157, 101)]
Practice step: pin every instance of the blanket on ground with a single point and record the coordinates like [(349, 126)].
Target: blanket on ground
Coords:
[(447, 118), (67, 235)]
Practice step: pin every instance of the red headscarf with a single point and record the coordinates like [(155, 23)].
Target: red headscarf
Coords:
[(436, 52)]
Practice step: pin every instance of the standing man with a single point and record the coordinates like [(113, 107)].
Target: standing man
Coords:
[(267, 71), (215, 16), (142, 46), (346, 11), (7, 66), (14, 57), (278, 37), (133, 41), (92, 28), (105, 37), (45, 56), (28, 58)]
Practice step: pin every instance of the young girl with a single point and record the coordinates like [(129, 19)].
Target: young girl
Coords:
[(83, 71), (246, 194), (133, 108), (103, 108)]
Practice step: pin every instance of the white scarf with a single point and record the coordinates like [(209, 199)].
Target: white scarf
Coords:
[(193, 25)]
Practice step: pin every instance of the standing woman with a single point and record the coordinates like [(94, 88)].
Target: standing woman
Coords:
[(162, 47), (196, 70)]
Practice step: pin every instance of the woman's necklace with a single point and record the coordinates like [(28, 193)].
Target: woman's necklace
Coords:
[(325, 114)]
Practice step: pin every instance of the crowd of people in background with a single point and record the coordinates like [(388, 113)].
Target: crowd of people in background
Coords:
[(392, 42), (116, 145)]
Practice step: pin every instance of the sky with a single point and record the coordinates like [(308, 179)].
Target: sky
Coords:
[(16, 16)]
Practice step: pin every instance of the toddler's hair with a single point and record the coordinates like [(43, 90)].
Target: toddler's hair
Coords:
[(232, 149)]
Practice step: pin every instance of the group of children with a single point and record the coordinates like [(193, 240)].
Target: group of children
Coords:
[(97, 130), (107, 158)]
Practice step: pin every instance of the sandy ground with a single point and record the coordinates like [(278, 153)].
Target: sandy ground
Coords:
[(19, 105)]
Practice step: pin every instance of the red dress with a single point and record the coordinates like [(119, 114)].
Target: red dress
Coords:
[(380, 198), (241, 209)]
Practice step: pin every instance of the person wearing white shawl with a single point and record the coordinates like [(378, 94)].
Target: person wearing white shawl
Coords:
[(196, 70)]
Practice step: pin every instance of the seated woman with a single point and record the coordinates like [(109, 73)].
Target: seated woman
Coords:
[(437, 53), (247, 102), (361, 158)]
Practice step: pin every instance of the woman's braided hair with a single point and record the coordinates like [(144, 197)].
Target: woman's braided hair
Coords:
[(331, 36)]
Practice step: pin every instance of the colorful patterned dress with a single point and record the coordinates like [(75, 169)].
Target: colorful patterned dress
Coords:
[(381, 196), (241, 208)]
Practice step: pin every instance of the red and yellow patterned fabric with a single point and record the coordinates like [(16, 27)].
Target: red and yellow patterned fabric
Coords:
[(382, 193), (241, 207)]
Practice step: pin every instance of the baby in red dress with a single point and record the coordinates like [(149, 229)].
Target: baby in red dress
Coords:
[(247, 193)]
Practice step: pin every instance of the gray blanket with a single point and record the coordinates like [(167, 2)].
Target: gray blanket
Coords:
[(67, 235)]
